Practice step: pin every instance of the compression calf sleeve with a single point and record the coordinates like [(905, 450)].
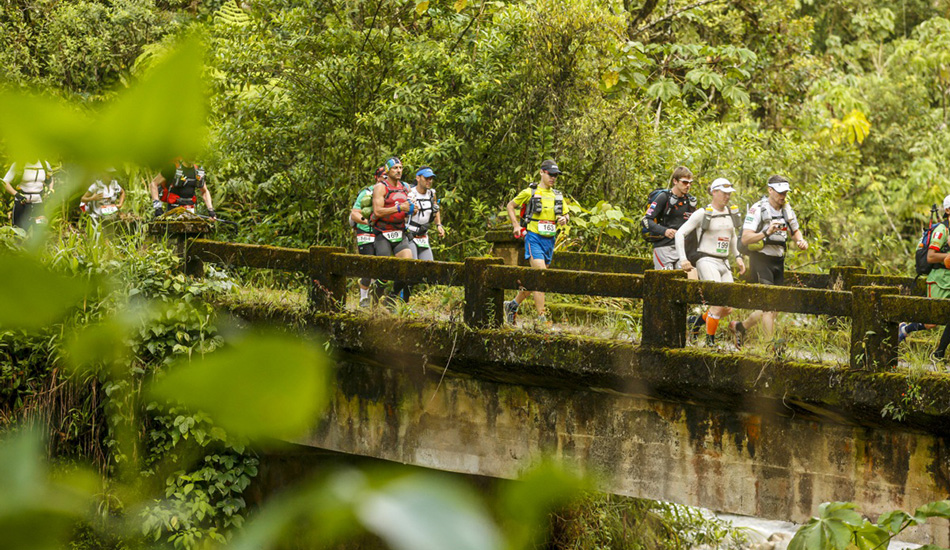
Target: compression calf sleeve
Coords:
[(712, 324)]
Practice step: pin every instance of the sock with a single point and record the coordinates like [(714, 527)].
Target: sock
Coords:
[(711, 325), (704, 316), (364, 293), (944, 342)]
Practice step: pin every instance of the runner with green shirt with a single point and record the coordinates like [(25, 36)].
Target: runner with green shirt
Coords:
[(938, 280), (365, 236), (543, 212)]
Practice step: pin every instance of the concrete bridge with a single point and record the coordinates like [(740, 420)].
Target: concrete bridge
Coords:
[(733, 433)]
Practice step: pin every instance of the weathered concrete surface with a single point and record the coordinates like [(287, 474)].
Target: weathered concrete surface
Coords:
[(735, 434), (751, 464)]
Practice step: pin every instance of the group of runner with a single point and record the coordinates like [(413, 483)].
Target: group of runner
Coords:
[(180, 184), (393, 218), (703, 242)]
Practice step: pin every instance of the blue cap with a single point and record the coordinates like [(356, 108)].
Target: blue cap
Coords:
[(426, 172)]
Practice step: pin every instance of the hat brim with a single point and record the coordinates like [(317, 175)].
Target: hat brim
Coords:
[(552, 172), (780, 187)]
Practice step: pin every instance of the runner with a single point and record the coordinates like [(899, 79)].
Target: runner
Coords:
[(28, 183), (365, 235), (391, 207), (716, 234), (427, 211)]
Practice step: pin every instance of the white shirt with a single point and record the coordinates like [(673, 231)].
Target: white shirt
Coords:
[(110, 195), (718, 241), (34, 179), (425, 208), (759, 217)]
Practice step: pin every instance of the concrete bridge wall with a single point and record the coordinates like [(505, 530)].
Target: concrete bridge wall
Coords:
[(729, 433)]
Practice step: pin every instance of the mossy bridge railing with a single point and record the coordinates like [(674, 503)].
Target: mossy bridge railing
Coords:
[(875, 304)]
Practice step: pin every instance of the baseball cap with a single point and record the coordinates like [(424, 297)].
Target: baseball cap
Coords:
[(550, 167), (721, 184), (426, 172), (946, 202), (779, 183)]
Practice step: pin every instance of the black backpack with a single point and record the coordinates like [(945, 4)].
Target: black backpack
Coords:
[(651, 198), (922, 266)]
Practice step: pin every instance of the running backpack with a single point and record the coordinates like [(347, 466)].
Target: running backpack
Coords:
[(651, 202), (922, 266)]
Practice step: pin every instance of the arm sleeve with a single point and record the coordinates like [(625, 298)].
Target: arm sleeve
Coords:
[(734, 244), (691, 224), (653, 213)]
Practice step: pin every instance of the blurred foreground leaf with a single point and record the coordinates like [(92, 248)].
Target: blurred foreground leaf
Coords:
[(263, 386), (428, 512), (160, 117), (32, 295), (525, 504), (35, 511)]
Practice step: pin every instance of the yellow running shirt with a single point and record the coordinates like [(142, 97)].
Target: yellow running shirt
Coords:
[(546, 215)]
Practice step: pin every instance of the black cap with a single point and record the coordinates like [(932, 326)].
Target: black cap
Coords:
[(550, 167)]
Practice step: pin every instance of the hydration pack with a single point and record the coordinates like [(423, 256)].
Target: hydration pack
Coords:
[(922, 266), (533, 205), (744, 248), (652, 199)]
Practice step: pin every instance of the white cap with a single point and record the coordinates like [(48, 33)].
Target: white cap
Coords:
[(780, 186), (721, 184), (946, 202)]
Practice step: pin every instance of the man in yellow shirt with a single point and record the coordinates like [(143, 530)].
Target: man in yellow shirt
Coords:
[(543, 212)]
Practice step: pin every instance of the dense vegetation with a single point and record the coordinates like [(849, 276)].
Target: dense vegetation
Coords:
[(849, 98)]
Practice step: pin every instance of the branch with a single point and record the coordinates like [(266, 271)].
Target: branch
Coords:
[(671, 15)]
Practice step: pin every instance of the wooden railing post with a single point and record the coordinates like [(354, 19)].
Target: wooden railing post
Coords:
[(842, 276), (873, 339), (664, 314), (483, 305), (327, 289)]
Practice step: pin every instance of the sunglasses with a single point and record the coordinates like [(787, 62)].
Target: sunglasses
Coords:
[(551, 175), (687, 182)]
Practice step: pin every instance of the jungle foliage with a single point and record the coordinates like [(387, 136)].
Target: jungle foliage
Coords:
[(849, 98)]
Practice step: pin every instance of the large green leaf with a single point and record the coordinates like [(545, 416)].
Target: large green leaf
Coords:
[(426, 512), (160, 117), (35, 512), (261, 386), (33, 296)]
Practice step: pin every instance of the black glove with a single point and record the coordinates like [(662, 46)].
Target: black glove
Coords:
[(211, 213), (19, 198), (157, 206)]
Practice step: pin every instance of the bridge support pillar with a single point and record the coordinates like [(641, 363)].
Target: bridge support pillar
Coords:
[(842, 276), (664, 313), (483, 305), (194, 265), (327, 289), (873, 339)]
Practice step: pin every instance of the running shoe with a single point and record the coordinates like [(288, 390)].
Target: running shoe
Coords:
[(738, 333), (366, 302), (901, 332), (710, 340), (511, 311), (694, 327), (542, 322)]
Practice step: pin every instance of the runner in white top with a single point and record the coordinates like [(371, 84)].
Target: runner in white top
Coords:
[(26, 183), (104, 200), (717, 243), (427, 211)]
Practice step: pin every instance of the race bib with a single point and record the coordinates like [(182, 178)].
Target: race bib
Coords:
[(422, 242), (393, 236), (365, 238), (722, 246), (108, 209), (547, 229)]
